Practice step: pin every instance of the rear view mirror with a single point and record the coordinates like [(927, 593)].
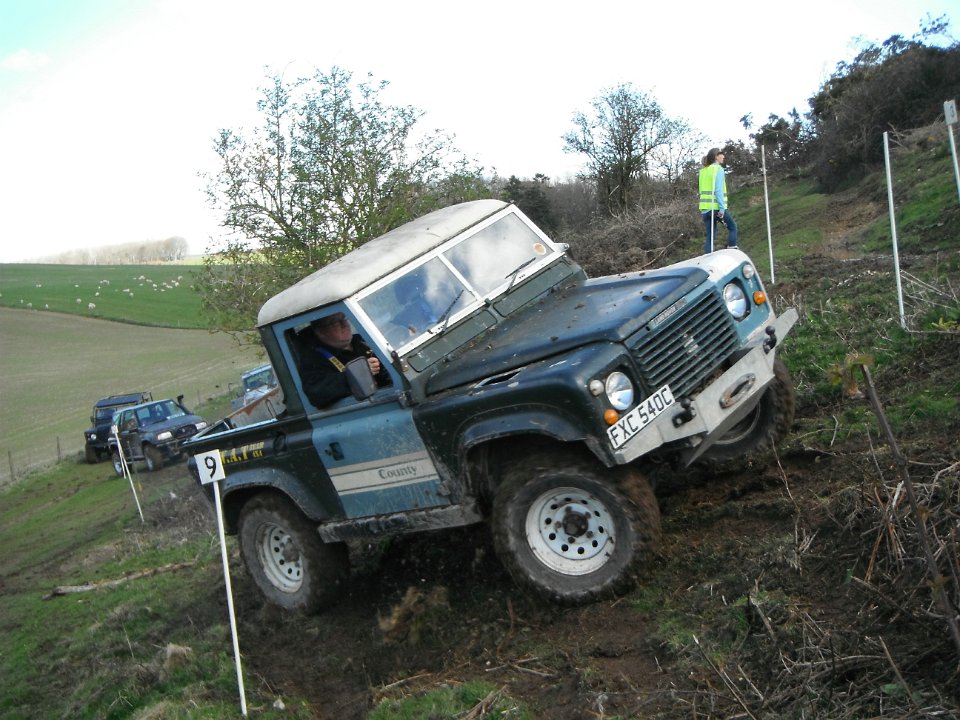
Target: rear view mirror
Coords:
[(360, 378)]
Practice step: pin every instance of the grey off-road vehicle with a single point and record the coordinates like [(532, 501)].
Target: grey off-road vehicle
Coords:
[(97, 436), (522, 393), (152, 432)]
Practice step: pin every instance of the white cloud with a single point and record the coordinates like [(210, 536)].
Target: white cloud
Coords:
[(24, 60)]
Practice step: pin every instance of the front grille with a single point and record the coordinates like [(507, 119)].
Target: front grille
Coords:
[(688, 347), (185, 432)]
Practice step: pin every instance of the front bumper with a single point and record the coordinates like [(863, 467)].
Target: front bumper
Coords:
[(716, 409)]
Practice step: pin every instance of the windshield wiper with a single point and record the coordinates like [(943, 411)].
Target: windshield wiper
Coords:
[(445, 316), (513, 275)]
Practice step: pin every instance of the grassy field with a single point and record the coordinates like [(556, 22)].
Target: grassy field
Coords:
[(55, 366), (142, 294), (61, 352)]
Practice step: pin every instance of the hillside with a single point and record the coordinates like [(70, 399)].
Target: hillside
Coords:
[(792, 585), (55, 366)]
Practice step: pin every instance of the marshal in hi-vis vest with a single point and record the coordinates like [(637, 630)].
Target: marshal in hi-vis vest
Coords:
[(708, 183)]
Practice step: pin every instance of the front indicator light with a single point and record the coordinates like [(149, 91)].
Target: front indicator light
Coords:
[(759, 298), (610, 416)]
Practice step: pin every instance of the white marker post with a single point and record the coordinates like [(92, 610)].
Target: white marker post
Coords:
[(893, 228), (950, 118), (766, 205), (126, 469), (210, 467)]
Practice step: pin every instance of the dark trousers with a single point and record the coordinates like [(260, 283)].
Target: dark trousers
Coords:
[(710, 221)]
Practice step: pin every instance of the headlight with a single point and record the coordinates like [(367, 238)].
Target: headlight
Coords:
[(736, 300), (201, 425), (91, 436), (619, 390), (165, 435)]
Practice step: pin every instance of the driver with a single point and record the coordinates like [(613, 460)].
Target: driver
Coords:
[(331, 345)]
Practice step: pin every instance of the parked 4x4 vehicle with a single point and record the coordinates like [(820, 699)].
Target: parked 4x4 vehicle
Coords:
[(521, 392), (97, 445), (153, 432), (254, 384)]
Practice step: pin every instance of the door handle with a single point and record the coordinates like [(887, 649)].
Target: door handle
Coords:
[(334, 451)]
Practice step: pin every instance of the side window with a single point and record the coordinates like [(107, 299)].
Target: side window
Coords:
[(322, 349)]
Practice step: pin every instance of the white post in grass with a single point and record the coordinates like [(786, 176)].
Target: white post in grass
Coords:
[(766, 205), (950, 117), (210, 467), (893, 228), (126, 470)]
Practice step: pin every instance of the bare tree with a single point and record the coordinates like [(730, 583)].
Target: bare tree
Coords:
[(619, 138), (331, 167)]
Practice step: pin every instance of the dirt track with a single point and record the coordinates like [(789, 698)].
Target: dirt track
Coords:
[(750, 559)]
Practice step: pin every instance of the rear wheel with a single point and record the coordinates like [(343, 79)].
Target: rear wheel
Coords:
[(292, 567), (767, 424), (571, 531)]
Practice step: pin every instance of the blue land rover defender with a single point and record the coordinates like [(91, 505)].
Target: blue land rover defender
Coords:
[(521, 392)]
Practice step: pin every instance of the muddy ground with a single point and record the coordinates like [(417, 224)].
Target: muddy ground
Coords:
[(792, 585), (749, 606)]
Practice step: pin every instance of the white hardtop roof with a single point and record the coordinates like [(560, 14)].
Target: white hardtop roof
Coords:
[(375, 259)]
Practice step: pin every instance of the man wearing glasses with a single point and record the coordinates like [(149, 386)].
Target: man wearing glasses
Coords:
[(322, 363)]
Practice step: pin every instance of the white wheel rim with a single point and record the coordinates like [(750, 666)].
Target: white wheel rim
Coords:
[(570, 531), (279, 557)]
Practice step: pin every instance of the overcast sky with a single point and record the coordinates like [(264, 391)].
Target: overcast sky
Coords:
[(109, 108)]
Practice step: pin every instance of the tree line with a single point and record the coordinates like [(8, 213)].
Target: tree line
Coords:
[(172, 249), (331, 165)]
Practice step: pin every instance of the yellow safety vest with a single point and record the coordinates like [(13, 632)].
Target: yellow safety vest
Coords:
[(708, 182)]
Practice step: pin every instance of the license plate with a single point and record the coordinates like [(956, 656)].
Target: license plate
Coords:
[(641, 416)]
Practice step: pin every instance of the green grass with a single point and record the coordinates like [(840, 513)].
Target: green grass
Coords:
[(160, 295), (55, 366), (101, 654), (451, 702), (925, 196), (796, 221), (857, 313)]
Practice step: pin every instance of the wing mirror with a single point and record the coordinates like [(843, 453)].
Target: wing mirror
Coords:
[(360, 378)]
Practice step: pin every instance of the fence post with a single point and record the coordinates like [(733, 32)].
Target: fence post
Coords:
[(893, 228), (766, 205), (950, 117)]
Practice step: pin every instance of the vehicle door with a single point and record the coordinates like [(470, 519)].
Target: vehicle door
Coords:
[(128, 433), (371, 449)]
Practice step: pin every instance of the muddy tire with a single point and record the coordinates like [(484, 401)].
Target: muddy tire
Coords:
[(117, 463), (153, 457), (91, 455), (570, 530), (284, 555), (767, 424)]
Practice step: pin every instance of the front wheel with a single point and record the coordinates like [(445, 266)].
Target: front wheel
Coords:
[(153, 457), (768, 423), (117, 462), (571, 531), (91, 455), (292, 567)]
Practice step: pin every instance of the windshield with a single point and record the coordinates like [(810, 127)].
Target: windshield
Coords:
[(105, 415), (478, 267), (158, 412), (258, 379)]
